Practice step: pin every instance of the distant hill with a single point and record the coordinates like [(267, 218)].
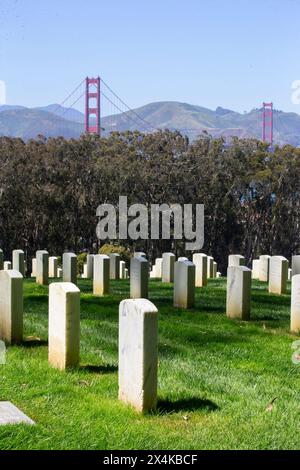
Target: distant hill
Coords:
[(28, 123), (70, 114), (192, 120)]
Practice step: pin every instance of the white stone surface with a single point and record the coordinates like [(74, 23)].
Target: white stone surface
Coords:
[(7, 266), (139, 275), (289, 274), (138, 254), (200, 261), (59, 273), (238, 292), (295, 304), (255, 268), (158, 267), (236, 260), (219, 275), (64, 325), (168, 267), (33, 267), (18, 261), (295, 265), (126, 273), (84, 275), (53, 267), (122, 269), (264, 267), (89, 266), (70, 268), (11, 306), (10, 414), (138, 354), (278, 275), (114, 266), (184, 284), (182, 258), (42, 267), (215, 269), (210, 267), (101, 275)]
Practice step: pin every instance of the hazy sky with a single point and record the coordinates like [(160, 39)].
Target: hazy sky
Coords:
[(230, 53)]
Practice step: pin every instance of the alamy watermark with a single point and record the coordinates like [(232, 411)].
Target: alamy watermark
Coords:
[(155, 222), (2, 92)]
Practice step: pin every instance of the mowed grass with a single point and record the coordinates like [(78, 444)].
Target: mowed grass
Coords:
[(216, 377)]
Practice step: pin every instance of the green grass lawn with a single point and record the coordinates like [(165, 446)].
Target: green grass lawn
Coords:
[(216, 377)]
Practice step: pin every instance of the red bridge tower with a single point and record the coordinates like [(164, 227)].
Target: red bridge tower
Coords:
[(92, 106)]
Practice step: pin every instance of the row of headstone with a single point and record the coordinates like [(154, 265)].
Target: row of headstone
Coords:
[(205, 267), (138, 329), (156, 271), (238, 299)]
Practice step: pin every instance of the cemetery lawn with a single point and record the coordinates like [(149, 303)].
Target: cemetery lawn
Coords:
[(217, 377)]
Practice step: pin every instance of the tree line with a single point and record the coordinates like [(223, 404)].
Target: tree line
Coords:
[(50, 190)]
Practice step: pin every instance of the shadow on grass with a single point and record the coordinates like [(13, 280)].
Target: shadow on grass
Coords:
[(103, 369), (34, 343), (185, 404), (36, 298)]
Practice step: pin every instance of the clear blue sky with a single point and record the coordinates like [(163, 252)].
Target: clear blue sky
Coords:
[(231, 53)]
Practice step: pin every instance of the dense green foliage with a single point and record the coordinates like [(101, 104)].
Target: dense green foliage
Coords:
[(217, 377), (50, 190)]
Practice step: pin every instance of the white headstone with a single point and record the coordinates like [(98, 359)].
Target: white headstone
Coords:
[(122, 269), (138, 254), (295, 304), (85, 272), (219, 275), (289, 275), (42, 267), (168, 267), (264, 266), (101, 275), (158, 267), (210, 267), (70, 268), (90, 266), (11, 306), (215, 269), (53, 267), (184, 284), (7, 266), (278, 274), (33, 268), (255, 268), (295, 265), (64, 325), (183, 258), (59, 273), (115, 266), (126, 273), (139, 274), (238, 292), (18, 261), (138, 354), (200, 261), (236, 260)]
